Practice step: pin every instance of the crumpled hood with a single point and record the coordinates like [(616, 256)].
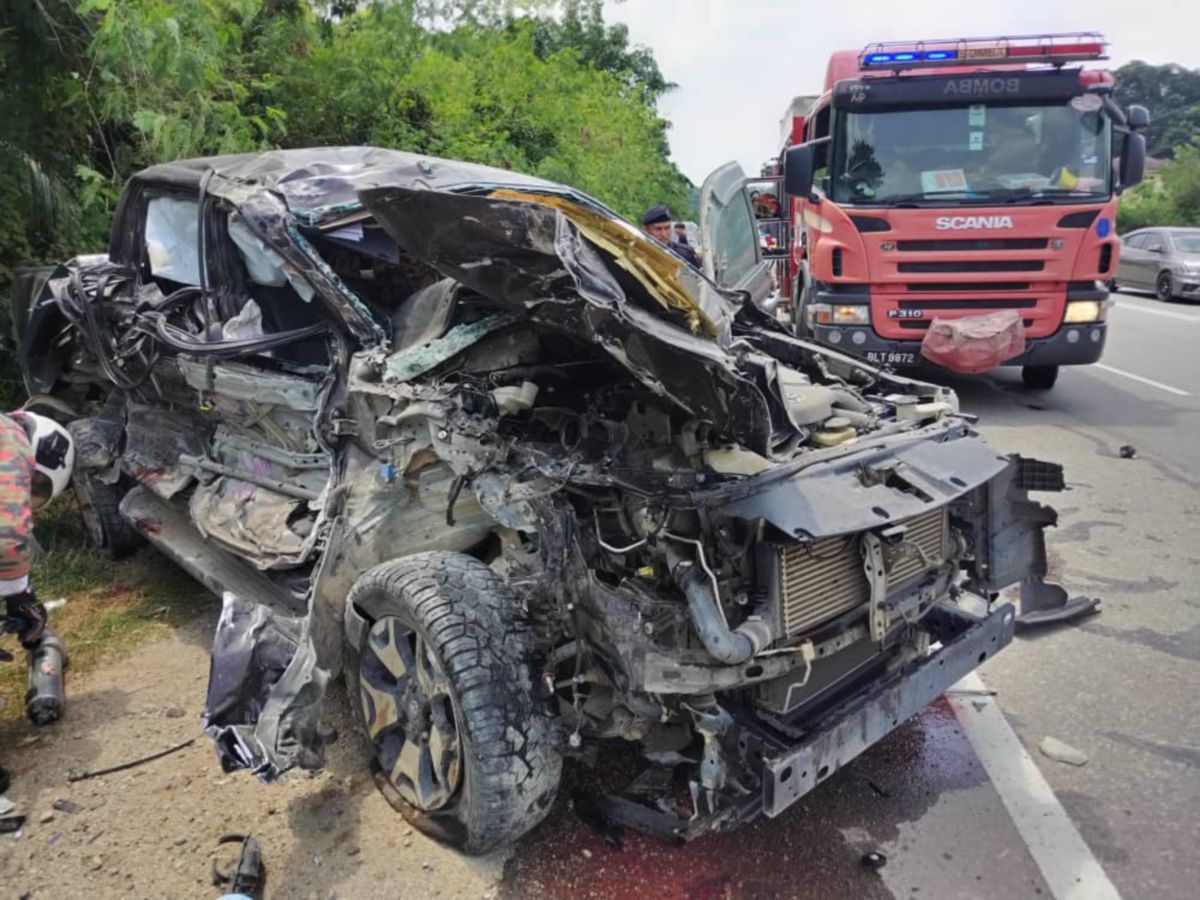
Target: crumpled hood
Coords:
[(592, 277)]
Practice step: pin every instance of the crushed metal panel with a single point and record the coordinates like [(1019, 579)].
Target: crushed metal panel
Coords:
[(538, 262), (875, 712), (154, 441), (264, 691), (408, 364), (242, 382), (834, 498)]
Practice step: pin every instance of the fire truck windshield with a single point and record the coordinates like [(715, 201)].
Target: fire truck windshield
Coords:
[(977, 153)]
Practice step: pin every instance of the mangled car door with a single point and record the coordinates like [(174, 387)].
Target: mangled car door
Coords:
[(234, 414), (263, 470), (730, 234)]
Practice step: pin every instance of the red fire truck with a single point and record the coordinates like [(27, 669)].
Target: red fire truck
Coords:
[(954, 178)]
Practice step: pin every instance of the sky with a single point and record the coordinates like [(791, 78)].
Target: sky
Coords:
[(739, 63)]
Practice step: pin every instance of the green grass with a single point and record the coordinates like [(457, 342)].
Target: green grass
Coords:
[(111, 606)]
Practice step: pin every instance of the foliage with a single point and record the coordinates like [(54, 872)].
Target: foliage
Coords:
[(1173, 198), (95, 89), (1172, 95)]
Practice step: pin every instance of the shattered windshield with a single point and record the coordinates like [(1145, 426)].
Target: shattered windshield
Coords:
[(979, 152)]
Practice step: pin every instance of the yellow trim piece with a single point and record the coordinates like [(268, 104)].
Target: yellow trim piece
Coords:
[(650, 264)]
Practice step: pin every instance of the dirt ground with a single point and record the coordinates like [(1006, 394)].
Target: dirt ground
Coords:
[(151, 831)]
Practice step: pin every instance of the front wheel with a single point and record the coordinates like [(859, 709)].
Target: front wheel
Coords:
[(799, 297), (445, 692), (1039, 378), (1164, 288)]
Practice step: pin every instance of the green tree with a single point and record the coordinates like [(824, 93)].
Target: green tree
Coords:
[(1171, 93), (92, 90)]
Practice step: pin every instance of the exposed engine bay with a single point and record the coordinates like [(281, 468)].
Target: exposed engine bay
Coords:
[(753, 556)]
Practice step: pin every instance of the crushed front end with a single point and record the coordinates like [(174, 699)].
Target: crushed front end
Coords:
[(750, 556)]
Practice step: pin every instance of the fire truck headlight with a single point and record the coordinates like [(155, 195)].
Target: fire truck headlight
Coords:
[(1086, 311), (852, 315)]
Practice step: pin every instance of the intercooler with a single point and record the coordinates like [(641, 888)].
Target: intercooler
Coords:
[(820, 580)]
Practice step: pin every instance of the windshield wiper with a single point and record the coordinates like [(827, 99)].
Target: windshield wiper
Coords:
[(1016, 195), (918, 196)]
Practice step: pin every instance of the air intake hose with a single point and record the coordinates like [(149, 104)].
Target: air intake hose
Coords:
[(731, 647)]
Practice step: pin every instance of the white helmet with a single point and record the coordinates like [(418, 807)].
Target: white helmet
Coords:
[(53, 454)]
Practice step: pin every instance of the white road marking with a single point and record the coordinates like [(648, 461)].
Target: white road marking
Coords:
[(1143, 380), (1066, 862), (1137, 307)]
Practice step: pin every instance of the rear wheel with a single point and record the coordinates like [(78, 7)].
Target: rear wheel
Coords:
[(1039, 378), (99, 508), (1164, 288), (444, 688)]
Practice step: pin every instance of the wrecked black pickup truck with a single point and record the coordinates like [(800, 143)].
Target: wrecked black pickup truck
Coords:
[(528, 480)]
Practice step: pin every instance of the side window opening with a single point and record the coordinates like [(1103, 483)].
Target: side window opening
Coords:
[(821, 123), (172, 241), (262, 295)]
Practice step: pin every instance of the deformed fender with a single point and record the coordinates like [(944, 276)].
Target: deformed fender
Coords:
[(264, 691), (269, 674)]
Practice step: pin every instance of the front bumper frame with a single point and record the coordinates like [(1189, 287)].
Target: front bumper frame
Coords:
[(1071, 345), (867, 718)]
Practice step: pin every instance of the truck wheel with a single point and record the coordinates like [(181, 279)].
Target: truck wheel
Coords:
[(99, 508), (1164, 288), (1039, 378), (442, 680), (798, 327)]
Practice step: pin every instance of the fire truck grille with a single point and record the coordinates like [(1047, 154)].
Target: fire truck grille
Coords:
[(952, 244), (972, 265), (824, 579)]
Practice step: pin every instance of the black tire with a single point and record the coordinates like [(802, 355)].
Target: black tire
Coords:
[(1164, 287), (99, 508), (447, 616), (1039, 378), (799, 329)]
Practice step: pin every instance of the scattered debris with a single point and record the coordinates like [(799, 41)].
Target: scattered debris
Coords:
[(589, 811), (11, 823), (249, 875), (1061, 752), (83, 776), (874, 860), (881, 791), (67, 806), (174, 712), (54, 838), (6, 806), (1128, 451), (58, 603), (46, 818)]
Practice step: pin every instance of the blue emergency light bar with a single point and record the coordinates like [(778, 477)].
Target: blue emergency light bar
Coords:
[(876, 59)]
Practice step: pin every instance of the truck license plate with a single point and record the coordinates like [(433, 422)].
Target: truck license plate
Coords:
[(891, 358)]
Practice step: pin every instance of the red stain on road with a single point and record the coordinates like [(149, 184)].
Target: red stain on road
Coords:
[(802, 853)]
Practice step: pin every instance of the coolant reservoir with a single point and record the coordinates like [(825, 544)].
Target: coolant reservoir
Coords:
[(833, 431)]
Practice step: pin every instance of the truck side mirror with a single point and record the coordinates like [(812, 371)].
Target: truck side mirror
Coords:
[(798, 171), (1133, 159), (1138, 117)]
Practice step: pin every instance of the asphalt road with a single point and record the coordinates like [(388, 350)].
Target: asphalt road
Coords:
[(957, 806)]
